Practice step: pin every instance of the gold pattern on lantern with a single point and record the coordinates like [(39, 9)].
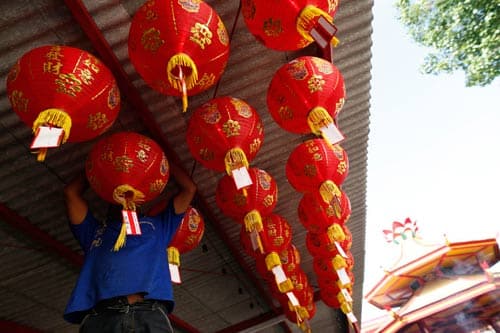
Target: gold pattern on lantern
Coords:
[(107, 154), (206, 155), (18, 101), (278, 241), (192, 6), (297, 69), (207, 80), (285, 112), (68, 84), (211, 114), (156, 186), (86, 76), (164, 166), (264, 180), (268, 200), (222, 33), (322, 65), (342, 167), (272, 28), (97, 121), (197, 139), (151, 15), (142, 155), (338, 151), (315, 83), (113, 97), (339, 105), (330, 211), (151, 40), (242, 108), (332, 5), (310, 170), (54, 54), (201, 35), (92, 64), (144, 144), (231, 128), (255, 145), (123, 164)]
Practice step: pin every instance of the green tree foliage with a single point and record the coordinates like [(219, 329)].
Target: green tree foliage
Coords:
[(462, 34)]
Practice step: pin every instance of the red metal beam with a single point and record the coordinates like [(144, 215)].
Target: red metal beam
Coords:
[(87, 23), (11, 327)]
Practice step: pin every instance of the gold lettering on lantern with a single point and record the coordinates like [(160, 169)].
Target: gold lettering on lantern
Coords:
[(86, 76), (278, 241), (339, 105), (338, 151), (271, 229), (123, 164), (14, 72), (18, 101), (315, 83), (222, 33), (264, 180), (142, 155), (231, 128), (68, 84), (342, 167), (206, 80), (201, 35), (211, 115), (285, 112), (330, 211), (52, 67), (97, 121), (206, 154), (107, 155), (156, 186), (310, 170), (54, 54), (197, 139), (332, 5), (151, 40), (268, 200), (242, 108), (255, 145), (92, 64), (272, 28)]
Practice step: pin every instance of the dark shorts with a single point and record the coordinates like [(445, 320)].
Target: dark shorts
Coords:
[(117, 316)]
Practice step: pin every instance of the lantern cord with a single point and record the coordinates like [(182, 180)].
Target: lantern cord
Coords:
[(184, 90), (41, 154)]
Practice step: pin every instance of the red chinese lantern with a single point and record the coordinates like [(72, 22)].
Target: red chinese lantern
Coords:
[(306, 95), (286, 25), (187, 237), (322, 245), (318, 216), (260, 199), (179, 48), (333, 296), (225, 134), (63, 87), (127, 168), (328, 279), (314, 166)]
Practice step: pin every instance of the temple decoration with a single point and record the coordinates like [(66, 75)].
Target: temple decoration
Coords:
[(64, 94), (225, 134), (306, 95), (180, 48), (187, 237), (128, 169)]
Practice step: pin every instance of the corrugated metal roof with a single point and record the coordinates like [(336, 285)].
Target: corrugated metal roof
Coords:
[(220, 288)]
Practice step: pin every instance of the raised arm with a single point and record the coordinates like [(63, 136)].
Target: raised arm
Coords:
[(76, 205), (187, 188)]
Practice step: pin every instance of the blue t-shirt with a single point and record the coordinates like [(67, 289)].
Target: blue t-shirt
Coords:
[(141, 266)]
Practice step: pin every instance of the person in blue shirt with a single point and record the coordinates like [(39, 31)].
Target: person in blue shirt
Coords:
[(127, 290)]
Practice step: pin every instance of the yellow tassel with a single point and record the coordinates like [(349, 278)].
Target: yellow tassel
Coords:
[(272, 260), (120, 241), (335, 233), (182, 82), (42, 153), (253, 221), (307, 19), (173, 256), (346, 308), (56, 118), (285, 286), (335, 41), (331, 194), (235, 158), (127, 196), (338, 262), (317, 118)]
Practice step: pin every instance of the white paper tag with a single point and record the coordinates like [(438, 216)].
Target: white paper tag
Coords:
[(318, 38), (327, 26), (254, 239), (343, 277), (175, 275), (332, 134), (352, 318), (293, 300), (346, 295), (241, 177), (279, 274), (47, 137), (131, 222), (340, 250)]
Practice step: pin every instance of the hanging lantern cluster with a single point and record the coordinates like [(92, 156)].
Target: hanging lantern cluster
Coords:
[(128, 169), (187, 237), (180, 48), (225, 134), (64, 94), (291, 24)]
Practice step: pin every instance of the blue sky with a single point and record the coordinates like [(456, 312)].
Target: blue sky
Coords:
[(434, 149)]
